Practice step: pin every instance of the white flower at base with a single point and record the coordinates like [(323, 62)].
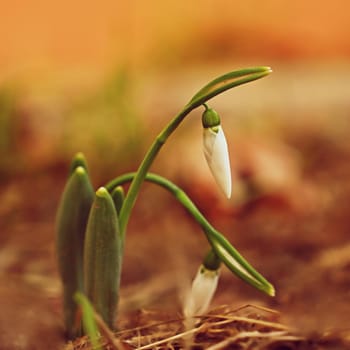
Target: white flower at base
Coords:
[(216, 154), (202, 291)]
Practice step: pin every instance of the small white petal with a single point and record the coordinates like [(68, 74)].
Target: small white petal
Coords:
[(216, 154), (201, 294)]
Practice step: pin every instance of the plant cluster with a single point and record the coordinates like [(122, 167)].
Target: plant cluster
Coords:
[(91, 225)]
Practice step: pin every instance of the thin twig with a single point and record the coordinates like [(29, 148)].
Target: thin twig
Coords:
[(174, 337), (229, 319), (242, 335), (115, 343)]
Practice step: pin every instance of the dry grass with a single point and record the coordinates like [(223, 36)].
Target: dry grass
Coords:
[(250, 327)]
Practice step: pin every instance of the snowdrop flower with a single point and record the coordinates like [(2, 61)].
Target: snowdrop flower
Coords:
[(216, 151), (202, 291)]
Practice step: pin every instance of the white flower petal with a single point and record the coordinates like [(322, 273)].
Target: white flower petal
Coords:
[(203, 289), (216, 154)]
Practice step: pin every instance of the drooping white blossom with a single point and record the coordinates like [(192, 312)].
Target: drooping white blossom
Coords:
[(202, 291), (216, 154)]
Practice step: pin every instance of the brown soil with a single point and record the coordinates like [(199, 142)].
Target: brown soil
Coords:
[(297, 237)]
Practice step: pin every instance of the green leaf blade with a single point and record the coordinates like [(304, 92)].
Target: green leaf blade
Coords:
[(226, 82), (89, 323), (71, 222), (102, 257), (237, 264), (220, 245)]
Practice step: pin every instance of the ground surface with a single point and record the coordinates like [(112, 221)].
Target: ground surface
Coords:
[(289, 218), (298, 239)]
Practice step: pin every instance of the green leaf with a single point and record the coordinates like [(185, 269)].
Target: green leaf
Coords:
[(118, 196), (236, 263), (89, 323), (71, 223), (226, 82), (220, 245), (78, 160), (102, 257)]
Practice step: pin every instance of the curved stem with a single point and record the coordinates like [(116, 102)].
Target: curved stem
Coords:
[(145, 165), (214, 88), (221, 246), (176, 191)]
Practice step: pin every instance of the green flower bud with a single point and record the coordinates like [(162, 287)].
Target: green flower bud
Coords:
[(211, 261), (210, 118)]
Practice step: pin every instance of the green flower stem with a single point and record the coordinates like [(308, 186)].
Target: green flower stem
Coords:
[(221, 246), (144, 167), (215, 87)]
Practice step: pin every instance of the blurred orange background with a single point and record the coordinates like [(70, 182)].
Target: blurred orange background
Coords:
[(88, 35), (104, 77), (70, 66)]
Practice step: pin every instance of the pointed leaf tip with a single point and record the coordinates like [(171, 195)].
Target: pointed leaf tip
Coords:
[(237, 264), (79, 155), (78, 160), (270, 290), (80, 170), (267, 69), (102, 192)]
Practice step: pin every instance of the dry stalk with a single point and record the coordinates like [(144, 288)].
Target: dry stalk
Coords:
[(221, 329)]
